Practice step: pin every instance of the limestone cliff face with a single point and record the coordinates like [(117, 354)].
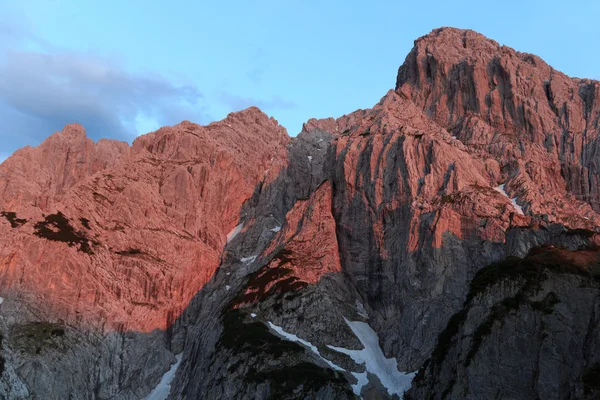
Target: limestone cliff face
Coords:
[(419, 212), (336, 264), (37, 178), (512, 106), (126, 246), (528, 329)]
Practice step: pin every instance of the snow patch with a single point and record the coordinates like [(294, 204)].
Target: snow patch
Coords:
[(500, 189), (161, 391), (386, 369), (361, 309), (293, 338), (454, 137), (516, 206), (248, 260), (309, 158), (227, 287), (1, 300), (234, 232), (253, 315), (362, 379), (276, 229), (228, 273)]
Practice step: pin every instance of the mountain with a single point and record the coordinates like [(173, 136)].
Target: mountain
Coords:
[(444, 243)]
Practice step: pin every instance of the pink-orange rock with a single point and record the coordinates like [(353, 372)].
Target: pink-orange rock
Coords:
[(457, 126), (541, 125), (466, 117), (40, 177), (304, 250), (156, 221), (309, 238)]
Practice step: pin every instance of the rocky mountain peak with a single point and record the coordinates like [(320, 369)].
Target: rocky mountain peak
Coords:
[(511, 106), (455, 73), (242, 263), (244, 130), (36, 178), (73, 132), (446, 48)]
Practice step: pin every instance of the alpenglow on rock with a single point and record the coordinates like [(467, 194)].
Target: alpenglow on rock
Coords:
[(443, 244)]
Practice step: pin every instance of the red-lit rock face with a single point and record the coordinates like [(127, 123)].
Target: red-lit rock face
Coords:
[(467, 117), (309, 238), (37, 178), (540, 125), (394, 156), (153, 218), (304, 250)]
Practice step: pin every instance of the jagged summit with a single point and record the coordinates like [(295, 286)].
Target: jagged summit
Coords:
[(452, 46), (179, 187), (509, 104), (73, 131), (454, 73)]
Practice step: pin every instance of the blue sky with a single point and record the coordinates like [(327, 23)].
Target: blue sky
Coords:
[(123, 68)]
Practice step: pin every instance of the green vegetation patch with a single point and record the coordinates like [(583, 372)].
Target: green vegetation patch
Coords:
[(445, 337), (129, 252), (299, 380), (287, 285), (449, 198), (498, 313), (85, 222), (530, 272), (580, 232), (56, 227), (11, 217), (501, 310), (533, 269), (591, 379), (546, 305), (512, 268), (253, 337), (33, 337), (256, 290), (420, 376)]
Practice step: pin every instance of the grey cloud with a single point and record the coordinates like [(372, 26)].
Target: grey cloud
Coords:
[(72, 87), (41, 91)]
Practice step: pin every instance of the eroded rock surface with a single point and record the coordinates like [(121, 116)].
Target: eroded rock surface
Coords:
[(273, 266), (538, 316), (122, 246)]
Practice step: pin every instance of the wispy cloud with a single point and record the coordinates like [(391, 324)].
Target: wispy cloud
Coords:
[(256, 73), (43, 88)]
